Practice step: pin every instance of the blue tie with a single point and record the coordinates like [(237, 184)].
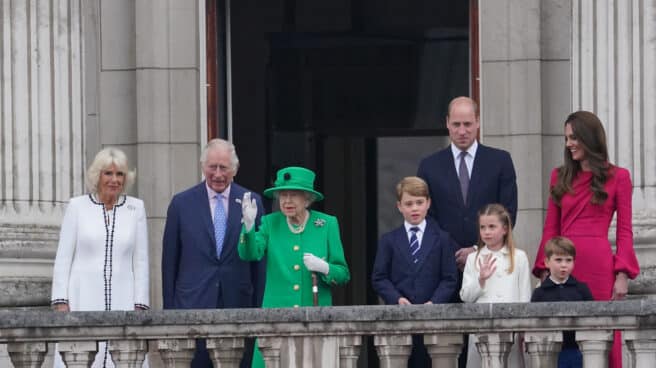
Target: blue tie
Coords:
[(414, 244), (219, 224)]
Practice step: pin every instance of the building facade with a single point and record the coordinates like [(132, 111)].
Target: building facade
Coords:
[(81, 75)]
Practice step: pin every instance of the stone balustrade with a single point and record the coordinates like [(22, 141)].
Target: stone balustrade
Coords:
[(327, 335)]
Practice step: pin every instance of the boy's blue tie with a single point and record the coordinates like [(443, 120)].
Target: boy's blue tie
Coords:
[(219, 224), (414, 244)]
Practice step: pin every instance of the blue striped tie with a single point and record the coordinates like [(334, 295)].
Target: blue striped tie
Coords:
[(414, 244), (219, 224)]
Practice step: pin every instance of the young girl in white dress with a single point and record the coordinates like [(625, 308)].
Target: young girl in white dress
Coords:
[(496, 273)]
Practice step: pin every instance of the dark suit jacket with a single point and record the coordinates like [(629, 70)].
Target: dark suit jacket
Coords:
[(192, 275), (432, 278), (492, 180)]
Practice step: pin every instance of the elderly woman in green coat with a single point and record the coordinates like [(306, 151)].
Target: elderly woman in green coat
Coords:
[(297, 242)]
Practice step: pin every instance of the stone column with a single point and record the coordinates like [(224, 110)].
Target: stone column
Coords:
[(128, 353), (78, 353), (543, 348), (393, 350), (642, 347), (27, 354), (349, 351), (226, 352), (613, 49), (444, 348), (595, 346), (176, 353), (494, 348), (41, 161)]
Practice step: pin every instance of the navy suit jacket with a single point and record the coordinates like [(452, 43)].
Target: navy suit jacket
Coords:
[(492, 180), (433, 277), (192, 274)]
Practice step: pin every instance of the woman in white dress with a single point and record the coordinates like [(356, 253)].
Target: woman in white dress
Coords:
[(102, 257)]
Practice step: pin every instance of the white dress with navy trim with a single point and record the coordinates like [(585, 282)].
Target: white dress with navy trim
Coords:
[(102, 257)]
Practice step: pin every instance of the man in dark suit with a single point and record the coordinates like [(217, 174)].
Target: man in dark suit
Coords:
[(464, 177), (415, 262), (199, 271)]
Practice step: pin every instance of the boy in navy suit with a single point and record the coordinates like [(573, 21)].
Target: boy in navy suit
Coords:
[(561, 286), (415, 263)]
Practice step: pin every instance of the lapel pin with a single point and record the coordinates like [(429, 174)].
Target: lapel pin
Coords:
[(319, 222)]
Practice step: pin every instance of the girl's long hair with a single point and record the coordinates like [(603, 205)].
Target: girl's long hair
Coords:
[(591, 137), (498, 210)]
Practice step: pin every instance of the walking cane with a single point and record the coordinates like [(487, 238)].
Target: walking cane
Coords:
[(315, 290)]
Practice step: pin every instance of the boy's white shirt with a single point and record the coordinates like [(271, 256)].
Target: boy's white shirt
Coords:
[(501, 287), (420, 233)]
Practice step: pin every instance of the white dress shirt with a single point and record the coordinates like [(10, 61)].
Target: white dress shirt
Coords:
[(469, 158), (420, 233)]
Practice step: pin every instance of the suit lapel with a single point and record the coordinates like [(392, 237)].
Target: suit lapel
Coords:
[(476, 175), (427, 242), (452, 174), (233, 227), (402, 245), (202, 203)]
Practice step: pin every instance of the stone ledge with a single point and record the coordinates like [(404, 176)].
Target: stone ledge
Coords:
[(454, 318)]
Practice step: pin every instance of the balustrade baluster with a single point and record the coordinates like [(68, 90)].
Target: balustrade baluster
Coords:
[(543, 348), (642, 347), (78, 353), (393, 350), (176, 353), (27, 354), (444, 349), (494, 348), (270, 349), (349, 351), (226, 352), (594, 347), (128, 353)]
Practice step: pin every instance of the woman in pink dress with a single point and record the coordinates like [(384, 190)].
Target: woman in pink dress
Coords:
[(585, 193)]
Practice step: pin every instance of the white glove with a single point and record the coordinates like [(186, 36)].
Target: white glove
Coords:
[(248, 211), (315, 264)]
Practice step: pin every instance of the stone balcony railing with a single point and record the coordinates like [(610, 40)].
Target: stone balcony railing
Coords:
[(335, 334)]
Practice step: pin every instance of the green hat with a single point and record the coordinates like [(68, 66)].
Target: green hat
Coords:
[(294, 178)]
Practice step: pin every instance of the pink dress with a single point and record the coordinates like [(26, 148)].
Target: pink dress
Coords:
[(587, 224)]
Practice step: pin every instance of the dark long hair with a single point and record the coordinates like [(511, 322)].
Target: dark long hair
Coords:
[(591, 137)]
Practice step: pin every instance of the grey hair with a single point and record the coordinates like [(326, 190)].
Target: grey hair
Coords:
[(105, 158), (310, 197), (218, 143)]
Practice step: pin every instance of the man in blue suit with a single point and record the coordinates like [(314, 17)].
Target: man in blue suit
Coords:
[(415, 262), (464, 177), (199, 272)]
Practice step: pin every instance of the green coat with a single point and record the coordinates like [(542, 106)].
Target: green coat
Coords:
[(288, 282)]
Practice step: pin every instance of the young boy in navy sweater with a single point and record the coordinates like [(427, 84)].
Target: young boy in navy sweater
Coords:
[(561, 286), (415, 263)]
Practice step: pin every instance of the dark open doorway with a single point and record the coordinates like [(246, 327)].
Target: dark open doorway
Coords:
[(356, 90)]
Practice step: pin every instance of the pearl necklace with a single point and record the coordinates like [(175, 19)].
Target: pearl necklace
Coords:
[(298, 229)]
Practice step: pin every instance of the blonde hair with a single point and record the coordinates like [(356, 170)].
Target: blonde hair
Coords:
[(413, 185), (503, 215), (105, 158)]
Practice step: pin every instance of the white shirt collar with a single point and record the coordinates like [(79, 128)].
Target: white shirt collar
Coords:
[(471, 150), (558, 283), (211, 193), (421, 226), (503, 250)]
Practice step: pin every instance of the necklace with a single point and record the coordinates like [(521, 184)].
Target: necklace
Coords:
[(297, 229)]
